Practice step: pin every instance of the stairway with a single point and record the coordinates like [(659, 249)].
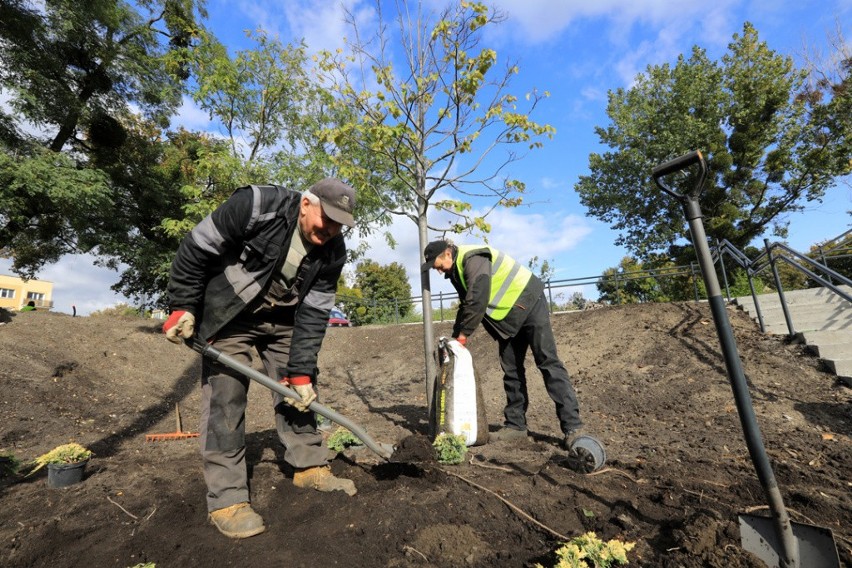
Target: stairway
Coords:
[(821, 319)]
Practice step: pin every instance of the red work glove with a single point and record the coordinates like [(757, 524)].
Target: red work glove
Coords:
[(181, 324), (462, 341), (303, 387)]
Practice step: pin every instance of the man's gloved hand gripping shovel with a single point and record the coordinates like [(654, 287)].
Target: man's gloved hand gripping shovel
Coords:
[(383, 450)]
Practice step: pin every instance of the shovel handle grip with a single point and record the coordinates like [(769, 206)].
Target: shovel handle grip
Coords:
[(676, 165)]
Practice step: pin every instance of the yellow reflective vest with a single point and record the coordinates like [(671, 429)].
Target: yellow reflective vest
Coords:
[(508, 279)]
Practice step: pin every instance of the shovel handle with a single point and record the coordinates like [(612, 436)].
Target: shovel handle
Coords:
[(207, 350), (676, 165)]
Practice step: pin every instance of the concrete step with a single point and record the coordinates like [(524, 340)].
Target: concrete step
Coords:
[(809, 297), (842, 368), (822, 321), (806, 322), (833, 351), (828, 337)]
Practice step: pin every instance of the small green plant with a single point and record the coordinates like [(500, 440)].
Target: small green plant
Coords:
[(450, 449), (66, 453), (9, 464), (588, 551), (144, 565), (342, 439)]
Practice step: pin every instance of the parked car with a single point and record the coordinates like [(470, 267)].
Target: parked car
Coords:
[(338, 319)]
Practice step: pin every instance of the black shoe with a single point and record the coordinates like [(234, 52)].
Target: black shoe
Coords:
[(508, 433)]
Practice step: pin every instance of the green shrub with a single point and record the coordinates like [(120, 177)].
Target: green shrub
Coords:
[(66, 453), (588, 551), (450, 449), (9, 464), (342, 439)]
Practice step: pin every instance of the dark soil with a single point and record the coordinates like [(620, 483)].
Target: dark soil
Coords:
[(652, 386)]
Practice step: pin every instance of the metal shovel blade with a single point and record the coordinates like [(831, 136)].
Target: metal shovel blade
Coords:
[(816, 544)]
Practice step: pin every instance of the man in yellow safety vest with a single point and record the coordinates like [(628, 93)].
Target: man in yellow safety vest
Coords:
[(509, 300)]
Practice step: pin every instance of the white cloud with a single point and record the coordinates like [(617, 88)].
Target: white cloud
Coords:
[(521, 236), (320, 23), (191, 116), (542, 20)]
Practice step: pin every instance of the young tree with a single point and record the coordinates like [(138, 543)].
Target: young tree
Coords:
[(767, 150), (430, 131)]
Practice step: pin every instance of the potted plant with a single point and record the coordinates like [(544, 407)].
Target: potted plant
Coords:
[(65, 464)]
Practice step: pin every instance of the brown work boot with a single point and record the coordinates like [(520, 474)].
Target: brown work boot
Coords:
[(237, 521), (321, 479)]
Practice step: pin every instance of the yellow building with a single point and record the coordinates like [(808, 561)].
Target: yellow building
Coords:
[(16, 293)]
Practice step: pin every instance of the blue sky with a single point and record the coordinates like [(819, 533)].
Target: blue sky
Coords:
[(575, 50)]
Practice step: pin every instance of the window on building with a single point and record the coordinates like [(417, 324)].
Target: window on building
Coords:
[(7, 293), (37, 296)]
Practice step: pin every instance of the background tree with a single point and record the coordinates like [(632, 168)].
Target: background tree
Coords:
[(271, 111), (73, 70), (633, 281), (830, 82), (351, 301), (148, 172), (385, 291), (768, 150), (836, 254), (434, 125)]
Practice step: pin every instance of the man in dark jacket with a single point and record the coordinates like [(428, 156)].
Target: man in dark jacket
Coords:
[(261, 272), (509, 300)]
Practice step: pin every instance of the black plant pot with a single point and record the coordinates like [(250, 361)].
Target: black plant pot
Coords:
[(65, 474)]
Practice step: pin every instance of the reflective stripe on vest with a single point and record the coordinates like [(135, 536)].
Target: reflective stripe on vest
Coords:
[(508, 280)]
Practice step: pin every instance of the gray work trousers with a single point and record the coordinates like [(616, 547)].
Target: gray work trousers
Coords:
[(224, 394), (536, 334)]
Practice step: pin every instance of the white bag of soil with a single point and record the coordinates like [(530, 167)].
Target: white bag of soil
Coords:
[(457, 403)]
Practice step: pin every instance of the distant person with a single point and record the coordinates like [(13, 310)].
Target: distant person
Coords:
[(30, 307), (261, 272), (509, 300), (73, 311)]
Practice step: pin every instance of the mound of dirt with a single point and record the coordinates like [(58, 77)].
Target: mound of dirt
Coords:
[(652, 386)]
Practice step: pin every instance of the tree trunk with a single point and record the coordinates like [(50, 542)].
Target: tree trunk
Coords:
[(428, 331)]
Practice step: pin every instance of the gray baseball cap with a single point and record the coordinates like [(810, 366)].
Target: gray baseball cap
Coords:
[(337, 198)]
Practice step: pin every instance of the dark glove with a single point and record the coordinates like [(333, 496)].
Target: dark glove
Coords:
[(303, 387), (181, 324)]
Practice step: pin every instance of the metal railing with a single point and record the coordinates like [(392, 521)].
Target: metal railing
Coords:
[(767, 261)]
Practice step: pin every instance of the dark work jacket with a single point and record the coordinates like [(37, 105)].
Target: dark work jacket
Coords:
[(225, 265), (474, 299)]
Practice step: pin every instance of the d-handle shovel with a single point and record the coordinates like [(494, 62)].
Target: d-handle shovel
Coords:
[(776, 541), (383, 450)]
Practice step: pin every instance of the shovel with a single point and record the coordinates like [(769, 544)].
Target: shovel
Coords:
[(385, 451), (776, 540)]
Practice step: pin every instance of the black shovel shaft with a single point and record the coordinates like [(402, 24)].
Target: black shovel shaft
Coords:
[(733, 364), (214, 354), (742, 397)]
